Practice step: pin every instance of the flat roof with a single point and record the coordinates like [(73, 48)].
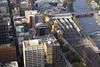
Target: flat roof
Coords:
[(35, 42), (41, 24), (50, 40), (4, 45)]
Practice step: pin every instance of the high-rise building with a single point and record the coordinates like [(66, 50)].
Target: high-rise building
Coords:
[(52, 51), (33, 53), (52, 48), (42, 50), (4, 35)]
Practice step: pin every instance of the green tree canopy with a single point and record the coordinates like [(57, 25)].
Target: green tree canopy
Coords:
[(99, 3), (76, 64), (69, 3), (65, 48)]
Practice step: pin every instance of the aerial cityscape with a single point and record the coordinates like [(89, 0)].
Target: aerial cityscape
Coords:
[(49, 33)]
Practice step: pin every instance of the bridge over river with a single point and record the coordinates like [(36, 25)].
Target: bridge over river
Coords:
[(85, 13)]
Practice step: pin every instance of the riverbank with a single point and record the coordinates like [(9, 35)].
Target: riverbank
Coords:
[(77, 23), (88, 24), (91, 40), (88, 5)]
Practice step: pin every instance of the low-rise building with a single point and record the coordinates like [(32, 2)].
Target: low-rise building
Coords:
[(7, 53), (20, 29), (3, 3), (42, 29), (10, 64), (29, 13), (4, 9), (24, 5), (4, 6), (94, 5)]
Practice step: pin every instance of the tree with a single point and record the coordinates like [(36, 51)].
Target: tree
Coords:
[(76, 64), (69, 53), (99, 3), (61, 42), (71, 59), (69, 3), (89, 0), (77, 58), (64, 4), (55, 34), (65, 48), (96, 0), (57, 64)]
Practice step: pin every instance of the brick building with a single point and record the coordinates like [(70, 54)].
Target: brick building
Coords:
[(7, 53)]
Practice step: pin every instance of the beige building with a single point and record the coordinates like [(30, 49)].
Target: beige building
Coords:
[(52, 51), (29, 13)]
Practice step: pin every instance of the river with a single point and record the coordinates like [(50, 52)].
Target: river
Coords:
[(88, 24)]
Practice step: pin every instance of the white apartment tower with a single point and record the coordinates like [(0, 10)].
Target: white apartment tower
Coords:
[(34, 53)]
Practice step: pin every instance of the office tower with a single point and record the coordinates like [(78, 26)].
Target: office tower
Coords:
[(4, 35), (52, 48), (52, 52), (33, 53), (40, 51)]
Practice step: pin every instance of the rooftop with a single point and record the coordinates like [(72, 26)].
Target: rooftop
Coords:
[(47, 1), (4, 45), (30, 43), (50, 40), (3, 22), (3, 1), (11, 64), (41, 24)]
